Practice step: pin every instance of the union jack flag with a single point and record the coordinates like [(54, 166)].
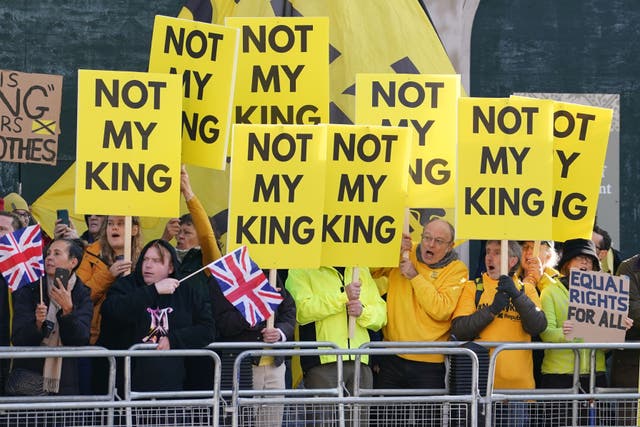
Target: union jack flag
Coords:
[(245, 286), (21, 256)]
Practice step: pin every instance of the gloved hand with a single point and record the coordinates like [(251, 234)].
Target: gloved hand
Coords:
[(506, 285), (500, 302)]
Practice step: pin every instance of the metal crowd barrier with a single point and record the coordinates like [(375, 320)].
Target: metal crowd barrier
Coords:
[(100, 410), (334, 406)]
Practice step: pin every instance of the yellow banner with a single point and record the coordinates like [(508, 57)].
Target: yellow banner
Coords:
[(504, 182), (427, 104), (275, 196), (581, 136), (204, 56), (365, 195), (128, 151), (283, 70)]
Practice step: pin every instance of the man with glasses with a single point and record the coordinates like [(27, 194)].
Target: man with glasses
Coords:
[(13, 202), (421, 293)]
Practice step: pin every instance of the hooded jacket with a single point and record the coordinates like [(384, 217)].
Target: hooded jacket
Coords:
[(126, 320)]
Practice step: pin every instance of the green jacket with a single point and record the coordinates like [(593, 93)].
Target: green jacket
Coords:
[(555, 304), (322, 313)]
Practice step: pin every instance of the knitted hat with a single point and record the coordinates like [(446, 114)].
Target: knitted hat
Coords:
[(13, 201), (574, 247)]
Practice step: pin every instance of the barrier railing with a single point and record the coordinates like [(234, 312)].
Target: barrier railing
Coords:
[(332, 406)]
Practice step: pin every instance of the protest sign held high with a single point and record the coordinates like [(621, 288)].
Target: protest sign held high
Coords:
[(504, 152), (598, 304), (427, 104), (29, 117), (283, 70), (276, 193), (581, 135), (365, 196), (204, 56), (128, 151)]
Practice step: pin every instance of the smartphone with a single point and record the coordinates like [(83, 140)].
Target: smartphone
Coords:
[(63, 214), (62, 274)]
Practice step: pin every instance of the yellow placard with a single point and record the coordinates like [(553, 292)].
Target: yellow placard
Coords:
[(581, 136), (427, 104), (365, 195), (504, 181), (283, 70), (128, 151), (204, 56), (275, 196)]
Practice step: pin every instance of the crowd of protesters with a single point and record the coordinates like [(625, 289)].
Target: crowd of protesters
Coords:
[(158, 296)]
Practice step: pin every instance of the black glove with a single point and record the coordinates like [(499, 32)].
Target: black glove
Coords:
[(500, 302), (506, 285)]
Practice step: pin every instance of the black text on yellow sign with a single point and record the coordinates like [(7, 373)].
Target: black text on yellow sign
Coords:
[(195, 44), (412, 94), (276, 78), (129, 135), (280, 188), (510, 160)]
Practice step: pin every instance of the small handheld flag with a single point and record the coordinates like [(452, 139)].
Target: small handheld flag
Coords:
[(21, 259), (245, 286)]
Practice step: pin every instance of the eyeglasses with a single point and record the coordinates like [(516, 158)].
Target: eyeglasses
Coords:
[(22, 214), (436, 241)]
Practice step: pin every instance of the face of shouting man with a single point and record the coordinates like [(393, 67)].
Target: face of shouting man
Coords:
[(437, 241)]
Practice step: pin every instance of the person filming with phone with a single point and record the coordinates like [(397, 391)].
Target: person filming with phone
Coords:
[(55, 311)]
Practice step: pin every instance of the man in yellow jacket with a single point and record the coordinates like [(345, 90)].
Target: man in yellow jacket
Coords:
[(422, 293)]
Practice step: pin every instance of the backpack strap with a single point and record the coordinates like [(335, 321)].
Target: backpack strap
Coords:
[(479, 289)]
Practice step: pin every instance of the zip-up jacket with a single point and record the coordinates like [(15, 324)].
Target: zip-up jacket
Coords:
[(322, 312)]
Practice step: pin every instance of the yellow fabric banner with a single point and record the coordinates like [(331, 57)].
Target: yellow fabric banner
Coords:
[(428, 105), (283, 73), (365, 195), (581, 136), (128, 151), (275, 200), (204, 56), (360, 42), (504, 181)]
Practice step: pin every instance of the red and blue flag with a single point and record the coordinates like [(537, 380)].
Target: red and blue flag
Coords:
[(245, 286), (21, 259)]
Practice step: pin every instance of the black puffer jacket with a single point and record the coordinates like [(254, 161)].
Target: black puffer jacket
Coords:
[(126, 321)]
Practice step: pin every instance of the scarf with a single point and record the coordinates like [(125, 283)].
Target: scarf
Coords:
[(53, 365), (183, 252), (446, 260)]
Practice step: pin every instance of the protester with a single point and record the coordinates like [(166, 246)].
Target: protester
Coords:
[(13, 202), (498, 307), (196, 247), (268, 373), (538, 270), (103, 262), (9, 223), (609, 258), (52, 314), (624, 366), (325, 297), (421, 295), (151, 306), (558, 365), (94, 226)]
